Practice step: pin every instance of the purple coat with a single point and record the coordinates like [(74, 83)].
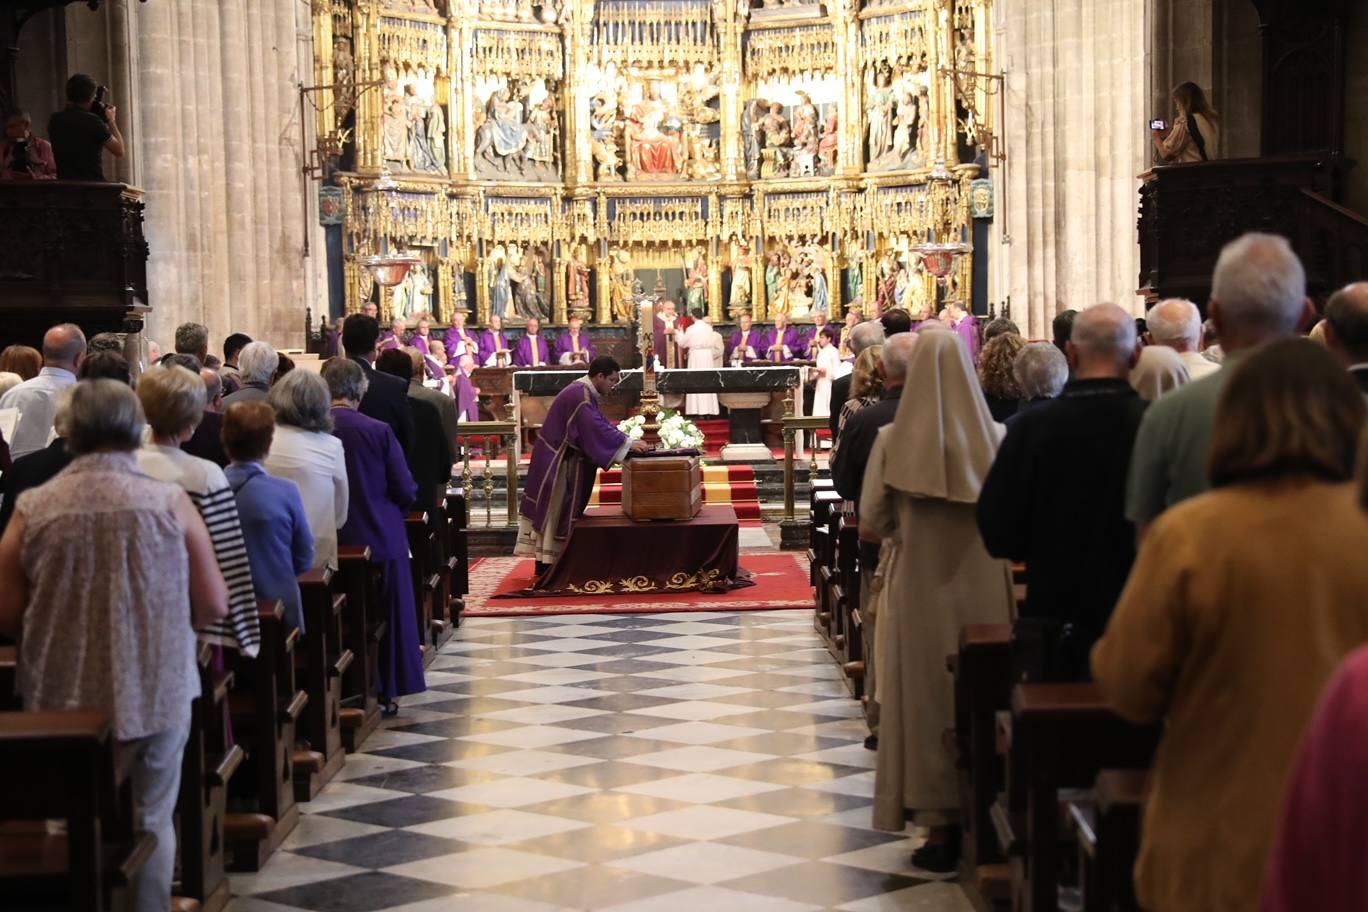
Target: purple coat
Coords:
[(381, 485), (566, 345), (467, 401), (487, 344), (523, 356), (790, 338), (456, 344), (577, 439), (755, 341)]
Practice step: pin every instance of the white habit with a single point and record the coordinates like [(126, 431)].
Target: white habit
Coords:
[(698, 339)]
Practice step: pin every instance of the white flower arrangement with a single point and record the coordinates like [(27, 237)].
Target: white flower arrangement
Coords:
[(676, 432)]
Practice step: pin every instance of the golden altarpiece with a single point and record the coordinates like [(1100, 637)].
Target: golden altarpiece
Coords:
[(571, 156)]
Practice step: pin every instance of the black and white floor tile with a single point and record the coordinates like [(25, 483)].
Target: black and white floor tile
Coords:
[(665, 763)]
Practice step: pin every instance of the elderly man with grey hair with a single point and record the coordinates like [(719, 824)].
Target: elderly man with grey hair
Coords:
[(1177, 324), (257, 364), (1258, 294), (870, 332), (1346, 330), (1055, 496), (847, 471), (64, 348), (1041, 370), (193, 339)]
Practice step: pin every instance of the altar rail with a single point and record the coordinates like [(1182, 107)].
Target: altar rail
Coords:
[(504, 436)]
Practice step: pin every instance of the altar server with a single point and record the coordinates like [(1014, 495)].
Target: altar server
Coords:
[(574, 441), (494, 344), (698, 339)]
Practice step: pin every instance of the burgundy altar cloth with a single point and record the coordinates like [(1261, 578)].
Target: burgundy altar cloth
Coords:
[(608, 553)]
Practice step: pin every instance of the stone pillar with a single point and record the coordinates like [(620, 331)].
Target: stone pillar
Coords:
[(1076, 137)]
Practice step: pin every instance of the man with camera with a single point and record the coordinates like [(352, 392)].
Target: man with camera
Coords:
[(24, 156), (80, 133)]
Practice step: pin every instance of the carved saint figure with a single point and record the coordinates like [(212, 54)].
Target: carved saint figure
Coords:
[(649, 149), (696, 283), (623, 286), (500, 282), (826, 148), (577, 281), (879, 114), (740, 299), (754, 112)]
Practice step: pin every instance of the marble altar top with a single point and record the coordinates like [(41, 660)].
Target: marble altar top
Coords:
[(695, 380)]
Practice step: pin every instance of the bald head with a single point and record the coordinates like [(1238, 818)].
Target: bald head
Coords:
[(870, 332), (897, 351), (1175, 323), (1258, 291), (1346, 323), (213, 389), (1102, 343), (64, 346)]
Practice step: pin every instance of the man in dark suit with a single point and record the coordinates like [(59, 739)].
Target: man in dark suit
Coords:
[(870, 332), (431, 460), (207, 440), (387, 396), (1346, 330)]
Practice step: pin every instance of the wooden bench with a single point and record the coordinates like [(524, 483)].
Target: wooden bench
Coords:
[(63, 766), (266, 711), (444, 566), (363, 628), (1107, 827), (458, 553), (426, 583), (207, 766), (1060, 737), (324, 661)]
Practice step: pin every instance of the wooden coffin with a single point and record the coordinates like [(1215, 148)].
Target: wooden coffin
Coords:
[(666, 487)]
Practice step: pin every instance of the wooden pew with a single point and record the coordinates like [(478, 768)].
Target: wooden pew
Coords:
[(848, 573), (206, 768), (458, 553), (443, 566), (266, 711), (63, 766), (1107, 827), (425, 580), (362, 630), (325, 661), (1061, 736)]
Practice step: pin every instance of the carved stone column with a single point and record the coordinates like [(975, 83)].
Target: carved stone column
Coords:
[(850, 67), (366, 37), (579, 163)]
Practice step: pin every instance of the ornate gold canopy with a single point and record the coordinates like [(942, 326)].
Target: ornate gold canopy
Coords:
[(561, 136)]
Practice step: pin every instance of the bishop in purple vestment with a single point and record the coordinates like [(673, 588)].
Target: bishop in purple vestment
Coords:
[(746, 343), (531, 350), (966, 325), (783, 343), (574, 347), (381, 488), (467, 395), (575, 440), (392, 337)]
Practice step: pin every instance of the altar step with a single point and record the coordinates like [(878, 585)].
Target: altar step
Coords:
[(716, 433), (735, 485)]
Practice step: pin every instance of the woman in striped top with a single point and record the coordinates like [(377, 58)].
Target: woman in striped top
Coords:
[(173, 400)]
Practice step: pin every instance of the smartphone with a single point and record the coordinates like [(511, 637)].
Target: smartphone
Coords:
[(1158, 125)]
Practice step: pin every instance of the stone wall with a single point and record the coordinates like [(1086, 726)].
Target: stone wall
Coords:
[(207, 99)]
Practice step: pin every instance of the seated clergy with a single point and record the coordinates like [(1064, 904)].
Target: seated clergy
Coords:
[(810, 343), (575, 440), (575, 347), (466, 392), (1065, 517), (461, 340), (745, 343), (394, 337), (494, 344), (783, 343), (531, 350)]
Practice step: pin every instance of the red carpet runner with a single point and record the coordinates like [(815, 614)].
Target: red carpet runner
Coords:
[(781, 581)]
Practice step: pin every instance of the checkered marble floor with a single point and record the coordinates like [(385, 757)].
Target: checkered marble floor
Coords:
[(665, 763)]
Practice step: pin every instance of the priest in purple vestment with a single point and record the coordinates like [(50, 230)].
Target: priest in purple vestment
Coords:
[(664, 324), (783, 343), (575, 440), (381, 487), (393, 337), (531, 350), (746, 343), (466, 392), (966, 325), (461, 340), (575, 347), (492, 342)]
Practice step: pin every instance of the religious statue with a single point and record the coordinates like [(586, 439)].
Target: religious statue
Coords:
[(530, 293), (411, 120), (696, 282), (778, 135), (603, 136), (500, 281), (577, 282), (879, 114), (754, 112), (815, 262), (344, 75), (436, 131), (827, 145), (806, 132), (623, 286), (649, 149), (518, 135), (740, 299)]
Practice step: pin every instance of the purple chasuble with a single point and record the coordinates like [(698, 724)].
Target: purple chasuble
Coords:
[(467, 401), (461, 342), (577, 439), (524, 356), (566, 345), (491, 342), (789, 338)]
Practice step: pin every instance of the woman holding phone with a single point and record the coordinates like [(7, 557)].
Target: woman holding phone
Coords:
[(1195, 132)]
